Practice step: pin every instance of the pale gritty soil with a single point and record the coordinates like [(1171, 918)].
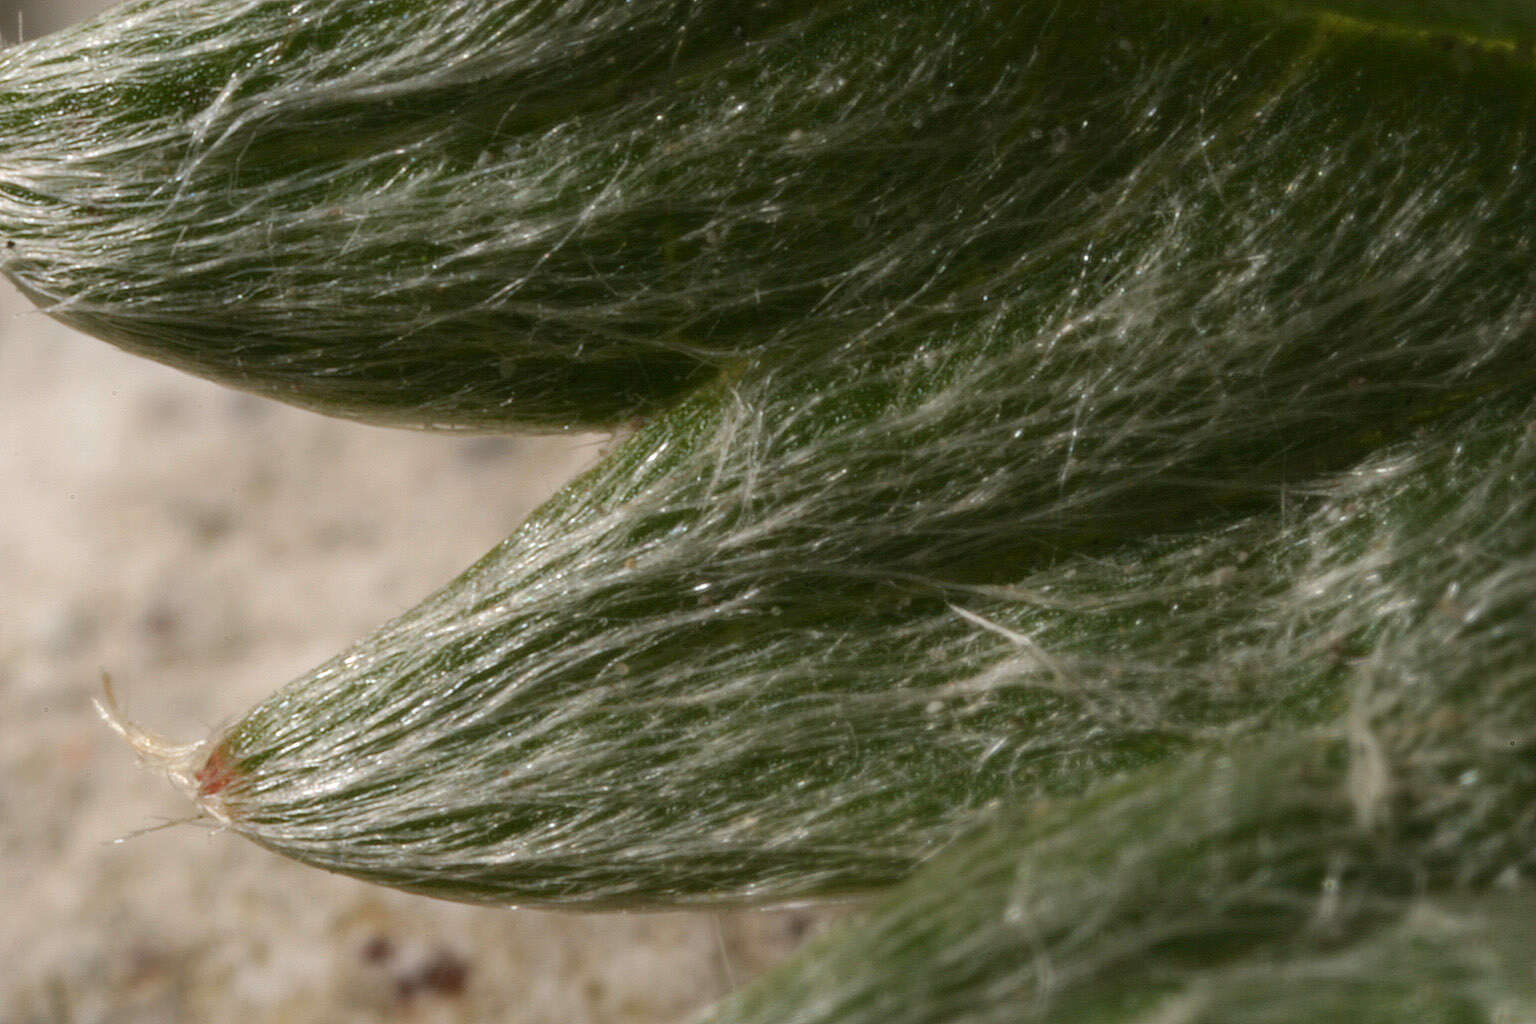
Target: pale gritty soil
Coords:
[(204, 547)]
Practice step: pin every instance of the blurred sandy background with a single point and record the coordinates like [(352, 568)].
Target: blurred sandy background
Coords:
[(204, 547)]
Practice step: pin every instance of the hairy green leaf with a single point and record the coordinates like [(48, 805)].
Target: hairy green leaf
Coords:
[(1206, 290), (546, 213)]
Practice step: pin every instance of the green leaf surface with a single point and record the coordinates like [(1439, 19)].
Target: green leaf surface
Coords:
[(1371, 870), (1083, 484), (1235, 889), (548, 213), (1100, 512)]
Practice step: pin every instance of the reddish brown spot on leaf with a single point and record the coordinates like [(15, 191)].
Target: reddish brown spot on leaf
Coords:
[(215, 775)]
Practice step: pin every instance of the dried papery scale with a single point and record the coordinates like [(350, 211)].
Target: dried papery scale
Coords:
[(186, 765)]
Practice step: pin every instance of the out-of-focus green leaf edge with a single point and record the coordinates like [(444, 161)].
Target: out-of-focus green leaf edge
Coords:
[(1485, 21), (1040, 915)]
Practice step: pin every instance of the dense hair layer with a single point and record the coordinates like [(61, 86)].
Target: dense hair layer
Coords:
[(547, 213), (1095, 446), (796, 634)]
